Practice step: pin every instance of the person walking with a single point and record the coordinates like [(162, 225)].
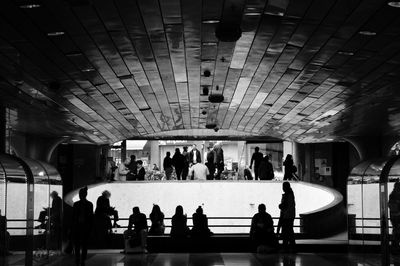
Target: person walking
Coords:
[(178, 161), (185, 170), (82, 223), (256, 158), (210, 163), (167, 164)]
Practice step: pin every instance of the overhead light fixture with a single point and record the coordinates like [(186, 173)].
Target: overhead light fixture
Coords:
[(394, 4), (367, 33), (346, 53), (276, 13), (216, 98), (74, 140), (210, 21), (89, 69), (228, 32), (209, 43), (207, 73), (55, 33), (29, 6), (252, 14)]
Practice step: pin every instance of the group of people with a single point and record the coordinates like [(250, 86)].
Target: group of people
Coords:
[(130, 170), (263, 169), (189, 164), (262, 230)]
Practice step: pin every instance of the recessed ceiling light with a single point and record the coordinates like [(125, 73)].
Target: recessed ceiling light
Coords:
[(210, 21), (277, 13), (89, 69), (367, 33), (209, 43), (55, 33), (29, 6), (74, 140), (252, 14), (394, 4), (329, 139), (345, 53)]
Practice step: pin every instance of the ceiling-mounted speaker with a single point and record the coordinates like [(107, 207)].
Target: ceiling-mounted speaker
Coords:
[(216, 98), (228, 32), (207, 73), (205, 90), (211, 125), (204, 112)]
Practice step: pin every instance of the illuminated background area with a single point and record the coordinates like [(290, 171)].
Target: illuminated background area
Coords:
[(229, 199)]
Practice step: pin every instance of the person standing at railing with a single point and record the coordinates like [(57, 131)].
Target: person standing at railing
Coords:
[(286, 219), (4, 237), (394, 207), (82, 223)]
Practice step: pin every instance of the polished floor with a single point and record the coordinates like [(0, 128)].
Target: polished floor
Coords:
[(217, 259)]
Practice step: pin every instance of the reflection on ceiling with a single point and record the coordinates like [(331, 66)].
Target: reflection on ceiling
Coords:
[(111, 70)]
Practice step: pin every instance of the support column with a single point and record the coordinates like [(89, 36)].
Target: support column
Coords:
[(123, 151), (242, 154), (3, 128), (154, 153)]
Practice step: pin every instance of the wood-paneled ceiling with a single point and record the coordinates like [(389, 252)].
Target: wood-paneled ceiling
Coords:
[(305, 70)]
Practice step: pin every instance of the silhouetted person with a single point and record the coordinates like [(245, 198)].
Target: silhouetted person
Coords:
[(262, 231), (210, 163), (394, 207), (194, 155), (256, 158), (157, 221), (56, 217), (132, 166), (4, 237), (179, 227), (287, 215), (265, 169), (200, 224), (219, 160), (137, 236), (141, 173), (82, 223), (289, 167), (104, 210), (178, 160), (167, 164), (185, 170)]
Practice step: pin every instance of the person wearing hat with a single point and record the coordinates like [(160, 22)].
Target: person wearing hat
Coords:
[(82, 222)]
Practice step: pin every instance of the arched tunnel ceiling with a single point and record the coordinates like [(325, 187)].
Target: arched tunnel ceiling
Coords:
[(111, 70)]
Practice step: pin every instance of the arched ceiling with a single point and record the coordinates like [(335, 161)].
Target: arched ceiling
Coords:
[(305, 70)]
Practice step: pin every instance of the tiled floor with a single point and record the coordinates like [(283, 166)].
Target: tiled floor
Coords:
[(218, 259)]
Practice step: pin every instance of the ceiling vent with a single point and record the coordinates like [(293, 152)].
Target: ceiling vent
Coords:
[(216, 98), (228, 32)]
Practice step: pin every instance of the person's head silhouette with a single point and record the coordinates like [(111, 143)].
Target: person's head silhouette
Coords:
[(262, 208), (179, 210), (136, 210), (83, 193), (286, 187), (199, 210)]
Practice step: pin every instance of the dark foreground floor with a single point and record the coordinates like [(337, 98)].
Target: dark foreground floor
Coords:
[(217, 259)]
